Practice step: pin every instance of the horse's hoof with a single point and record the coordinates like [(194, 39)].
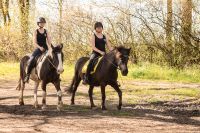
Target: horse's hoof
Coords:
[(93, 107), (104, 111), (44, 107), (61, 103), (104, 108), (59, 107), (119, 107), (36, 105), (21, 103)]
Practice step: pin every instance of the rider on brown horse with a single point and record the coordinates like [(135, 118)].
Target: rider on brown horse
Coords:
[(98, 44)]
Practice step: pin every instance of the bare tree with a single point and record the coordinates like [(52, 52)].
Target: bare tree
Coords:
[(186, 20), (24, 19), (60, 2), (169, 23), (4, 6)]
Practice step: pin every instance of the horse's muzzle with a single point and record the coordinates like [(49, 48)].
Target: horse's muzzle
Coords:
[(60, 71), (125, 72)]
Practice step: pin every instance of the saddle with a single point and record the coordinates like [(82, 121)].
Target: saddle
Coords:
[(38, 61), (95, 63)]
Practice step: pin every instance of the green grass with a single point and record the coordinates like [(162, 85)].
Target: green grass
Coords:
[(144, 71), (155, 72), (9, 70)]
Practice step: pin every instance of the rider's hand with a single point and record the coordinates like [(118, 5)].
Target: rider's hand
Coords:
[(111, 48), (103, 53), (50, 52), (42, 49)]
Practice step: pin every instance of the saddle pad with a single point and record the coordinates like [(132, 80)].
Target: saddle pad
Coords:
[(96, 63)]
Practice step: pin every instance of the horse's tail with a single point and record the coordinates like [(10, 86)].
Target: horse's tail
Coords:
[(77, 70), (19, 84), (70, 88), (22, 72)]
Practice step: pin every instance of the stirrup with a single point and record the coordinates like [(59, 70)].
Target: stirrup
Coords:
[(26, 79)]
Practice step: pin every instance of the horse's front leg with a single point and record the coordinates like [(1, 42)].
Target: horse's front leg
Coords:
[(36, 84), (103, 94), (90, 92), (59, 94), (117, 89), (44, 84)]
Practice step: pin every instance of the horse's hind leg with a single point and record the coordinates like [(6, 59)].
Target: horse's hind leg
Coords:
[(59, 94), (90, 92), (21, 99), (76, 84), (35, 94), (117, 89), (103, 94)]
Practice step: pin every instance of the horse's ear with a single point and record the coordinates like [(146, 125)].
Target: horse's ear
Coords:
[(61, 45), (52, 46)]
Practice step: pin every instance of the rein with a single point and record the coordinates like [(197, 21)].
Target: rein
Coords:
[(113, 63), (51, 63)]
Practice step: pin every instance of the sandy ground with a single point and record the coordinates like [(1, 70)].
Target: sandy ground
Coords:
[(161, 117)]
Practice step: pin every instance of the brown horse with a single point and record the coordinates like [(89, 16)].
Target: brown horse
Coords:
[(105, 74)]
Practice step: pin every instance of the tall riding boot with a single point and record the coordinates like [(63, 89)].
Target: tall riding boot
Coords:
[(29, 69), (86, 76)]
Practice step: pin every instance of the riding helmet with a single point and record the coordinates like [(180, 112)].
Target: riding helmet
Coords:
[(41, 20)]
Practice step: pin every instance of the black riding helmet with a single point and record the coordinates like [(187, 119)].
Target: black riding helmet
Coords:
[(41, 20), (97, 25)]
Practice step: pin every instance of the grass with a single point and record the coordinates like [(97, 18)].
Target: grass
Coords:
[(9, 70), (144, 71), (155, 72)]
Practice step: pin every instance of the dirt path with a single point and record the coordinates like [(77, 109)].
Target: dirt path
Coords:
[(148, 118)]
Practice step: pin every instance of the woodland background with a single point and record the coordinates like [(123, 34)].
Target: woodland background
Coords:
[(163, 32)]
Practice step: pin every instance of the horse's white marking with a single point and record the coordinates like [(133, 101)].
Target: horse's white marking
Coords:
[(123, 66), (35, 91), (59, 93), (44, 95), (60, 65), (39, 66)]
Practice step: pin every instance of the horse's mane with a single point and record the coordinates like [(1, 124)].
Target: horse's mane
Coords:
[(121, 47)]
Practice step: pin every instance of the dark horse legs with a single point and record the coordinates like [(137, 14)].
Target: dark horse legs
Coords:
[(103, 86), (117, 89), (75, 86), (90, 92)]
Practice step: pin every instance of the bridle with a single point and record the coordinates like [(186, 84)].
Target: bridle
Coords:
[(117, 66), (54, 66)]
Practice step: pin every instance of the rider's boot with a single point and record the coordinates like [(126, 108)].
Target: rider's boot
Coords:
[(86, 76), (29, 69)]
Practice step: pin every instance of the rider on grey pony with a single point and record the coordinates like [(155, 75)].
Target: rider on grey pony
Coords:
[(42, 42)]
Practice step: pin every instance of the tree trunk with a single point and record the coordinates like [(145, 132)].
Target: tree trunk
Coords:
[(24, 17), (169, 23), (186, 25), (4, 6), (169, 32), (60, 20)]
